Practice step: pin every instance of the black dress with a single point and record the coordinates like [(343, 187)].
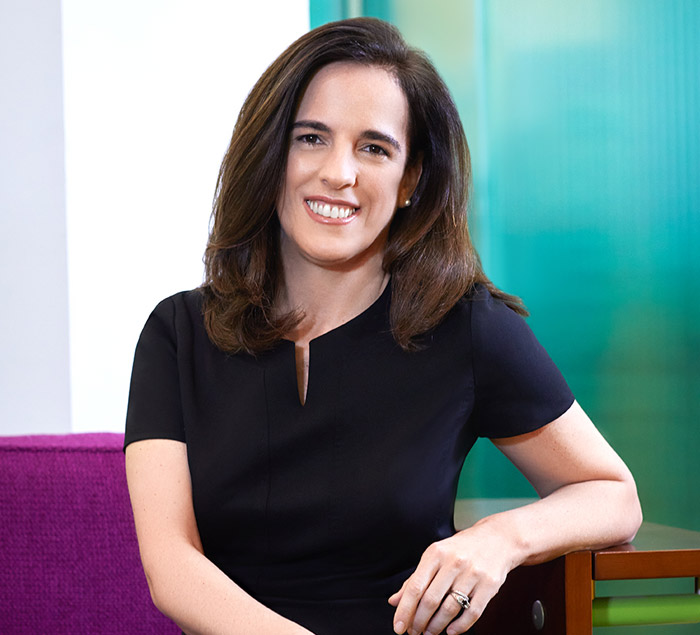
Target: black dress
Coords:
[(321, 511)]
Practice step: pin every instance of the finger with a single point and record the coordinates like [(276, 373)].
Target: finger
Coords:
[(396, 597), (469, 616), (448, 611), (412, 591), (486, 587), (436, 601)]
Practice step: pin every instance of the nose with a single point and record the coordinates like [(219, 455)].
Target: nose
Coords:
[(339, 169)]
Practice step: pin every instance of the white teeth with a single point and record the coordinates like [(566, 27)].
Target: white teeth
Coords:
[(328, 211)]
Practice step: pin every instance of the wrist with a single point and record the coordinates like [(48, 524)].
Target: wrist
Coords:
[(510, 528)]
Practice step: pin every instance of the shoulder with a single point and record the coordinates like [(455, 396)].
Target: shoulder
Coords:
[(487, 314), (184, 301), (480, 300), (497, 331), (518, 386), (502, 342), (185, 306), (476, 323), (163, 353), (175, 317)]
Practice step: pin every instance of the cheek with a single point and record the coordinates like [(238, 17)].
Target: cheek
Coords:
[(299, 166), (287, 190), (391, 189)]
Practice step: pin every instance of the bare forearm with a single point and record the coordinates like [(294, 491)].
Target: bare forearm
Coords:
[(185, 585), (202, 600), (587, 515), (589, 500)]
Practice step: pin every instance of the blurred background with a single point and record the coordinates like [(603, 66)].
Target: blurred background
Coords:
[(584, 127), (583, 120)]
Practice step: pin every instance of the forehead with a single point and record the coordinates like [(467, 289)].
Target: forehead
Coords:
[(347, 94)]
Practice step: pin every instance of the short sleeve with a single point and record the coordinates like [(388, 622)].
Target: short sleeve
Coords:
[(155, 410), (518, 388)]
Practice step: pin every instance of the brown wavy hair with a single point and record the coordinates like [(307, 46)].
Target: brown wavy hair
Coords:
[(429, 253)]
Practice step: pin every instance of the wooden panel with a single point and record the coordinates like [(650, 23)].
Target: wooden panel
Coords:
[(655, 537), (510, 611), (656, 552), (578, 593), (622, 565), (562, 586)]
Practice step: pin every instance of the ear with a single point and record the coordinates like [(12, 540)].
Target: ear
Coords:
[(409, 182)]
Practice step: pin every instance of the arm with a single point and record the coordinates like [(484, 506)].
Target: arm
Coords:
[(589, 500), (184, 584)]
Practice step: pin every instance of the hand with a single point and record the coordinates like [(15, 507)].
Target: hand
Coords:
[(474, 562)]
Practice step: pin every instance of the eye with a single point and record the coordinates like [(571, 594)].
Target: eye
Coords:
[(309, 139), (373, 148)]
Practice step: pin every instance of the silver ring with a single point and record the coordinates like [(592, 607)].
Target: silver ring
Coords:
[(463, 600)]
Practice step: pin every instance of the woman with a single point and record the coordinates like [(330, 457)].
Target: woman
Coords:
[(297, 425)]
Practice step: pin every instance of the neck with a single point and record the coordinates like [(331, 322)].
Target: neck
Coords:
[(328, 297)]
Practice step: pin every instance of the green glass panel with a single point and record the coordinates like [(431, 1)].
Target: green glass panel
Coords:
[(647, 588), (658, 609)]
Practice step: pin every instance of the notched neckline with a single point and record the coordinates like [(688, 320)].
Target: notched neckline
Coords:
[(375, 309), (378, 309)]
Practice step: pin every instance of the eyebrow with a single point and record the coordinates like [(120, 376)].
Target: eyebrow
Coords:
[(374, 135)]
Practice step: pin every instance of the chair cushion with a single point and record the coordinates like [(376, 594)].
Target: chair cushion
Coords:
[(69, 560)]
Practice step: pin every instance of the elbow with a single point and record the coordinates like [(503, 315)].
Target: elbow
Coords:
[(638, 517), (152, 590), (631, 511), (158, 594), (165, 571)]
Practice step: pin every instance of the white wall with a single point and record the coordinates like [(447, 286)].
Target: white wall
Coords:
[(151, 89), (34, 370)]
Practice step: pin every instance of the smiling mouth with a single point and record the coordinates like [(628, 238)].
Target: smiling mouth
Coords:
[(331, 211)]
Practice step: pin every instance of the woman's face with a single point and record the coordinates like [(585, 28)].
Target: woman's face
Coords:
[(346, 167)]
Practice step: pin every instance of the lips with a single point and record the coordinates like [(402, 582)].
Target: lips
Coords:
[(328, 210)]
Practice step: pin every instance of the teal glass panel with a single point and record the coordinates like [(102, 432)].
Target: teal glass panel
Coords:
[(583, 123), (594, 215), (322, 11), (379, 9)]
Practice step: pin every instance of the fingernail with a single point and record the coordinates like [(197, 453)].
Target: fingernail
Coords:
[(399, 627)]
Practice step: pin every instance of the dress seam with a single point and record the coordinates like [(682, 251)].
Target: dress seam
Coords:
[(268, 483)]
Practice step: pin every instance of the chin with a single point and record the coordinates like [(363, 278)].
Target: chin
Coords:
[(330, 261)]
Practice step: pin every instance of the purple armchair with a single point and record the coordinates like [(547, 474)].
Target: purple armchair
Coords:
[(69, 560)]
